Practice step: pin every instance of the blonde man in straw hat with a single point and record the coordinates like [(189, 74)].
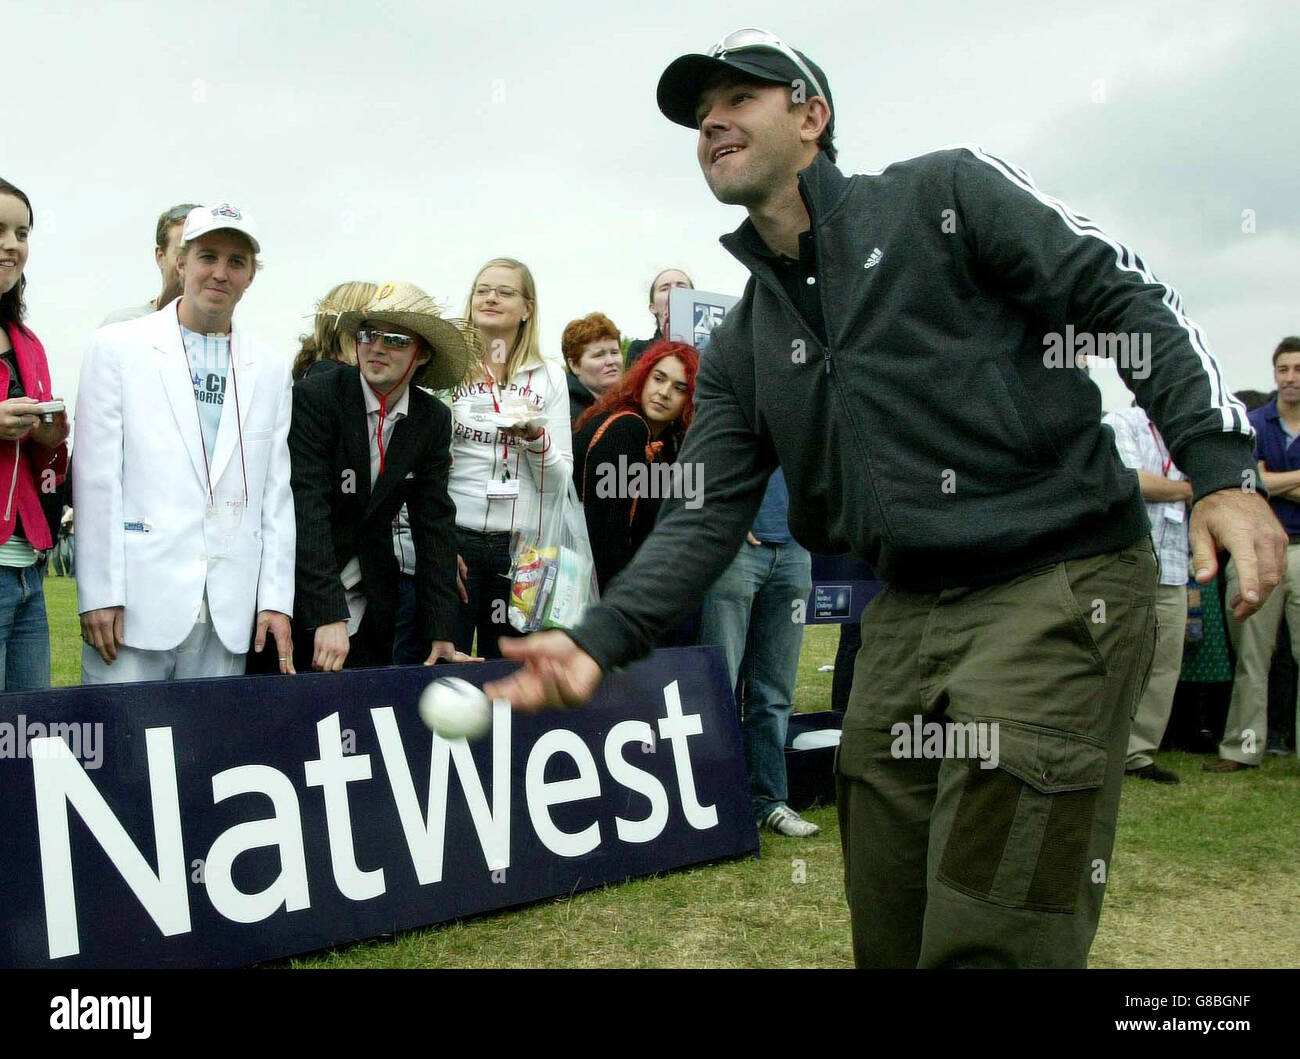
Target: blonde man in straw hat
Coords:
[(364, 441)]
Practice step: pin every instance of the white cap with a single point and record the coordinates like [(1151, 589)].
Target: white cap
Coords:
[(204, 219)]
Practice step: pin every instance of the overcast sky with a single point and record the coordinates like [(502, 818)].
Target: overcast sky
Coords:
[(401, 140)]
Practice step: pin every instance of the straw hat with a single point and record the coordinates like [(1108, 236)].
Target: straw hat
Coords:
[(453, 342)]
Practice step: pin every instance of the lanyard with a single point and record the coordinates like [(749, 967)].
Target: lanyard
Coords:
[(383, 408), (505, 447), (239, 425), (496, 407), (1169, 460)]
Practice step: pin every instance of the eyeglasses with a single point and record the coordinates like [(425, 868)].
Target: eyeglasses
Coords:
[(761, 38), (389, 340), (482, 291)]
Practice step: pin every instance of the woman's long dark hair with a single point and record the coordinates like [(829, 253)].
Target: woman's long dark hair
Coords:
[(12, 306)]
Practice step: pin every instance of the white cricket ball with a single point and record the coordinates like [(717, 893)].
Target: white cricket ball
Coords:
[(455, 709)]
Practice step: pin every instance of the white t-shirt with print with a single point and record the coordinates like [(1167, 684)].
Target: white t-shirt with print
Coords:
[(481, 454)]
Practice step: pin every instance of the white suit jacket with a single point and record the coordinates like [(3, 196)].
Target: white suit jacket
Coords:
[(148, 539)]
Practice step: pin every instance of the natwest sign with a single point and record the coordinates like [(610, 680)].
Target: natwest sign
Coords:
[(238, 820)]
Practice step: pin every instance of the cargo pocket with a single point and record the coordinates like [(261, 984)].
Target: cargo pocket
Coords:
[(1021, 830)]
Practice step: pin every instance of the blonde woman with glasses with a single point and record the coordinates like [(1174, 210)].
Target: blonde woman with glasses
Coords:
[(499, 471)]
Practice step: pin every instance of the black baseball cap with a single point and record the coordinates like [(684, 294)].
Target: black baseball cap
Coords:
[(749, 53)]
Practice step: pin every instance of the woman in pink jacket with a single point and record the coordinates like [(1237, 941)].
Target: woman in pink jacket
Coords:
[(33, 459)]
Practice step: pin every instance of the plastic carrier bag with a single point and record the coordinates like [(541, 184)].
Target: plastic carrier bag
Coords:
[(552, 572)]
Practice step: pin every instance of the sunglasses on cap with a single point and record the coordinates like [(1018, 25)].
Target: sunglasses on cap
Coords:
[(760, 38), (387, 339)]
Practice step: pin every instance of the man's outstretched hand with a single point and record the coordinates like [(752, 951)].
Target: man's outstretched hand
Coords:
[(1243, 523), (556, 672)]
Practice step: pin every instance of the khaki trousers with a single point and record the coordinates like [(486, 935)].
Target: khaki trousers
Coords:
[(1158, 700), (951, 863), (1245, 734)]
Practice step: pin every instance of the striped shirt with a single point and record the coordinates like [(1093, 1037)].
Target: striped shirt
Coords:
[(1143, 449)]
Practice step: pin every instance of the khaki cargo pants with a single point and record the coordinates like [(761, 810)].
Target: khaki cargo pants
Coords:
[(949, 862)]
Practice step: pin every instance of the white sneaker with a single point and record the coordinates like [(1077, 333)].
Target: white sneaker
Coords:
[(785, 821)]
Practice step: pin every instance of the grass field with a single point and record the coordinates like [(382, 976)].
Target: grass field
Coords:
[(1205, 874)]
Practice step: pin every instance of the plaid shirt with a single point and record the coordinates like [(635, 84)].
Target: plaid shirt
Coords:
[(1143, 449)]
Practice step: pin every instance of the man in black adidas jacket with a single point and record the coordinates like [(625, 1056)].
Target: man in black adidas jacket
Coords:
[(897, 352)]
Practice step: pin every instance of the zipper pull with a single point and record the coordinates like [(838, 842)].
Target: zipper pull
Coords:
[(828, 362)]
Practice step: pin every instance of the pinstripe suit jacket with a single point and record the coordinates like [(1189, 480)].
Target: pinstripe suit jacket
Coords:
[(340, 514)]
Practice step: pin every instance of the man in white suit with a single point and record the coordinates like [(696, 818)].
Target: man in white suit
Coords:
[(181, 485)]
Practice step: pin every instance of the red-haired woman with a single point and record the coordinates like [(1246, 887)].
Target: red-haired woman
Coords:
[(623, 446), (595, 359)]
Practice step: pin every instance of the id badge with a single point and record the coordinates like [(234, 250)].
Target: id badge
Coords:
[(224, 518), (1174, 513), (508, 490)]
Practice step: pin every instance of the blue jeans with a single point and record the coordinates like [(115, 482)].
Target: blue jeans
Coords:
[(751, 614), (24, 632)]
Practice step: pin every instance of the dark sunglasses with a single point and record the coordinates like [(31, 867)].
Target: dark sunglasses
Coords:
[(386, 338)]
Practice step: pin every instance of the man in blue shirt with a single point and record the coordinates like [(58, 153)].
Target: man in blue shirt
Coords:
[(754, 612), (1276, 425)]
